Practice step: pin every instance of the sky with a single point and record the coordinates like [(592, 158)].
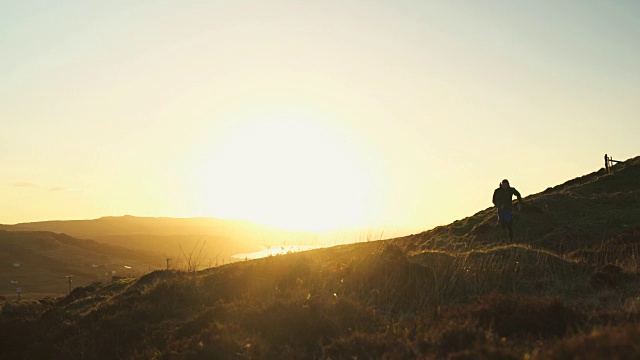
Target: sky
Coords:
[(311, 115)]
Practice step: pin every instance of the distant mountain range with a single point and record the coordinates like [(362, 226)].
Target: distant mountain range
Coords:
[(50, 250), (38, 262)]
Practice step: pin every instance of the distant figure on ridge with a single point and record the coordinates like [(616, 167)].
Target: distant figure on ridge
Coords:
[(502, 200)]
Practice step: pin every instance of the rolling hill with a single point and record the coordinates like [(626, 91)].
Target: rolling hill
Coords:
[(568, 287), (218, 239), (38, 262)]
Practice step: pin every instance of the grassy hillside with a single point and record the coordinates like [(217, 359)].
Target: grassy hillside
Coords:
[(174, 236), (38, 263), (588, 217), (567, 288)]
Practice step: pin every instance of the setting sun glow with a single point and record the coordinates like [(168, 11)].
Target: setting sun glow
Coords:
[(292, 173), (313, 115)]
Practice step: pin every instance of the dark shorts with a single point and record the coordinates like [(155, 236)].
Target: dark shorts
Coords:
[(505, 217)]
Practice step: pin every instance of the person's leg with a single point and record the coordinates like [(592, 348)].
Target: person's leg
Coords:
[(510, 229)]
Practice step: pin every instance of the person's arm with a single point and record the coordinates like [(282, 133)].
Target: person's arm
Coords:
[(495, 193), (517, 194)]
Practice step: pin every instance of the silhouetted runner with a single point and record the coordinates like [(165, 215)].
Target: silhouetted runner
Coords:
[(502, 197)]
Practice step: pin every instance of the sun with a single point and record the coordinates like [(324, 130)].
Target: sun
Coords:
[(289, 173)]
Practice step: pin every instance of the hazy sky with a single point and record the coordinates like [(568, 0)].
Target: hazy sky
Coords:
[(308, 114)]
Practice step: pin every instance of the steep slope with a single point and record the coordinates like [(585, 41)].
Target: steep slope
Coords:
[(454, 292), (570, 219)]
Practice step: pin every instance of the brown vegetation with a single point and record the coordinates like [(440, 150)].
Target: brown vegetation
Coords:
[(566, 289)]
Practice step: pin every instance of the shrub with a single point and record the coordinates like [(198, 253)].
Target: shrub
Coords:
[(609, 276), (511, 315), (604, 343)]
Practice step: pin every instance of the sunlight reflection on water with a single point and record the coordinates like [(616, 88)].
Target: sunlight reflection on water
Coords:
[(276, 250)]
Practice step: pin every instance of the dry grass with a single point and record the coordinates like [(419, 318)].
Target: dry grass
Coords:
[(365, 301), (456, 292)]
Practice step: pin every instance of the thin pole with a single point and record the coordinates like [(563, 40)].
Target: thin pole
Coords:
[(69, 277)]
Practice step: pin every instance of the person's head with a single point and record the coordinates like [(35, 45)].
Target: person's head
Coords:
[(504, 184)]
